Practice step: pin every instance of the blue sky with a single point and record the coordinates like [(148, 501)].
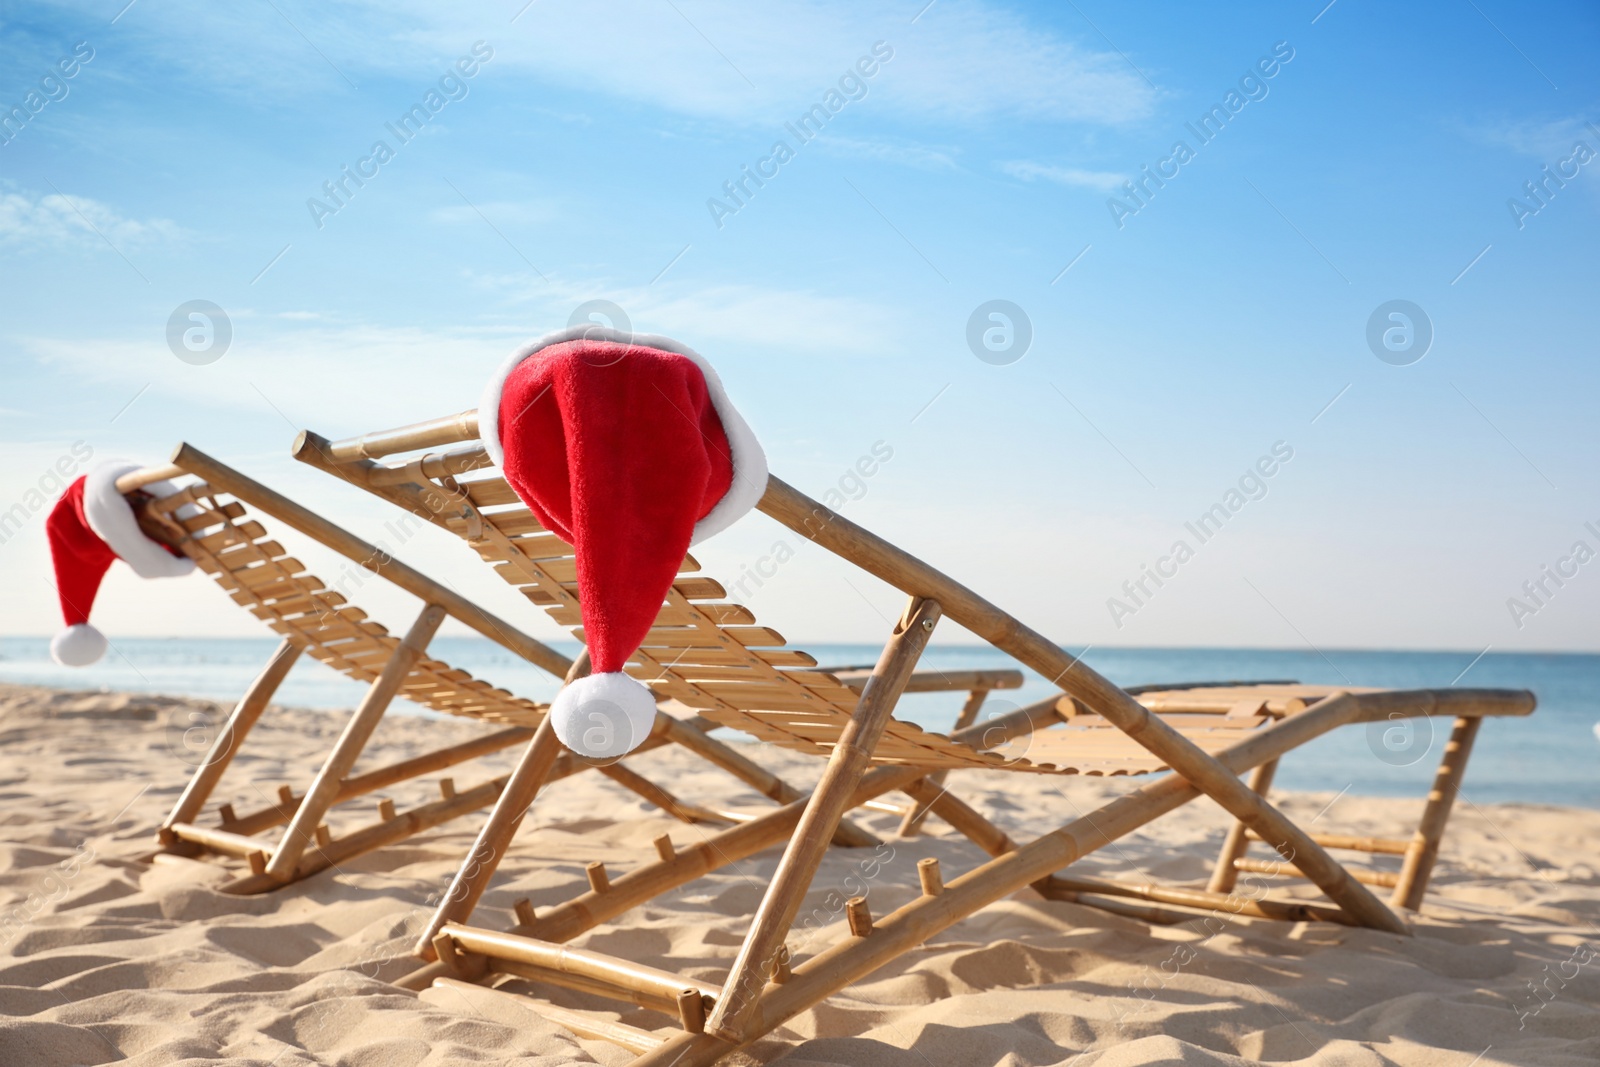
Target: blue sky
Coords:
[(1226, 315)]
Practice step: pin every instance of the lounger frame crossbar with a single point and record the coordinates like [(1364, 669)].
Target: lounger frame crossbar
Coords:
[(765, 986)]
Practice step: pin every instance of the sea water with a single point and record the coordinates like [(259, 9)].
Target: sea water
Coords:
[(1551, 757)]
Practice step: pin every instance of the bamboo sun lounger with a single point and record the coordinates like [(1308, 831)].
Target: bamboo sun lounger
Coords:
[(208, 522), (714, 660)]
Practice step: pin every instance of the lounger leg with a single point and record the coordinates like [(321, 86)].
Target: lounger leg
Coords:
[(226, 745), (1418, 863), (473, 876), (828, 803), (1225, 875), (324, 791), (911, 825)]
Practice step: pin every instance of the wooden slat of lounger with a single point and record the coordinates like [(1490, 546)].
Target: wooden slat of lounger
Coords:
[(207, 519), (735, 656), (1070, 750), (671, 615), (543, 546), (240, 533), (257, 574), (710, 657), (324, 600), (716, 636), (759, 694), (489, 492), (700, 587), (742, 673), (1228, 695), (253, 575), (255, 551)]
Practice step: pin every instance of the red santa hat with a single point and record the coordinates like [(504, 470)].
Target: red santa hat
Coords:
[(626, 447), (91, 526)]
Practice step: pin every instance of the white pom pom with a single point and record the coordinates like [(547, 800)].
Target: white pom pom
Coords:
[(604, 715), (78, 646)]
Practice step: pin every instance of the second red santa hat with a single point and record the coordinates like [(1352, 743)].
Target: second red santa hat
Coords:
[(626, 447), (91, 527)]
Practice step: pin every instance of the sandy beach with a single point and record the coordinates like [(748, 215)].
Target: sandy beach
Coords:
[(109, 959)]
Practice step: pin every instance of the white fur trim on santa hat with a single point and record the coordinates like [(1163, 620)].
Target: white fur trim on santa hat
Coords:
[(749, 460), (111, 518), (603, 715), (78, 646)]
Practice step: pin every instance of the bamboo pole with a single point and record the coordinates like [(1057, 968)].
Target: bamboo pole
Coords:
[(226, 744), (448, 430), (935, 680), (140, 478), (911, 825), (432, 465), (859, 916), (324, 791), (1155, 914), (1058, 887), (427, 763), (531, 775), (1382, 846), (1415, 869), (848, 762), (220, 476), (620, 975), (223, 841), (692, 1011), (909, 574), (473, 876), (584, 1024), (960, 815), (1281, 869), (1224, 875), (424, 502)]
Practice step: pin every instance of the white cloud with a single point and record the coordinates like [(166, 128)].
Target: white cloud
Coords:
[(55, 219), (738, 316), (906, 155), (1104, 180), (392, 375), (763, 320), (963, 59), (1542, 139)]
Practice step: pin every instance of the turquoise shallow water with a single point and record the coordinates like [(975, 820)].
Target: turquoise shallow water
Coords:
[(1552, 757)]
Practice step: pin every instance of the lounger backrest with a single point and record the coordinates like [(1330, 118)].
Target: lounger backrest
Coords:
[(260, 576), (713, 657)]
